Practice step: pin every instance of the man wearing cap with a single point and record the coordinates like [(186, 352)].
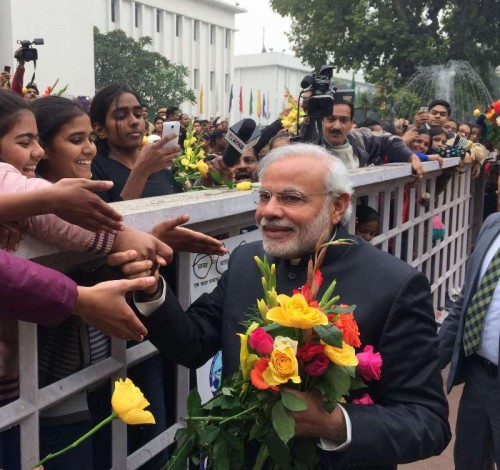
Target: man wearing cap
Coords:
[(361, 147), (163, 113)]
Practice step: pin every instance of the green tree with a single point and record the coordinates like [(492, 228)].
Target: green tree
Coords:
[(122, 59), (389, 39)]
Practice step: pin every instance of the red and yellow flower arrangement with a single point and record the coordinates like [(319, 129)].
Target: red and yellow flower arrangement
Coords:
[(300, 342), (490, 121)]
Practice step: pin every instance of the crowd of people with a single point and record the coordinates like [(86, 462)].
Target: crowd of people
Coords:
[(60, 166)]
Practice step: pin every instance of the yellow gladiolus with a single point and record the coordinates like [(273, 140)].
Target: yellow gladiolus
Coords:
[(128, 403), (244, 186), (201, 153), (283, 366), (194, 140), (344, 356), (261, 305), (247, 361), (186, 143), (185, 161), (296, 313)]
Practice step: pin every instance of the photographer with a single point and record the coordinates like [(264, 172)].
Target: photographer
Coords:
[(26, 53)]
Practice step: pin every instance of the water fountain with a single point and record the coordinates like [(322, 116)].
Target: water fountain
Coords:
[(456, 82)]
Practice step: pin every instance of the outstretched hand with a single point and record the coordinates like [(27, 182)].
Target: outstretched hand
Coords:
[(10, 236), (72, 199), (185, 239), (104, 307)]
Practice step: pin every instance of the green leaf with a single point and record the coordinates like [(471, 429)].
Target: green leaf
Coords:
[(221, 454), (216, 177), (262, 456), (208, 434), (258, 428), (181, 454), (278, 451), (330, 334), (283, 422), (234, 442), (279, 330), (230, 403), (351, 371), (343, 310), (194, 403), (227, 391), (304, 453), (215, 403), (292, 402), (339, 381), (357, 382)]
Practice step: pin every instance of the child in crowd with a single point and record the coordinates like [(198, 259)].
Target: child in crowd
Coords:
[(367, 222), (421, 146)]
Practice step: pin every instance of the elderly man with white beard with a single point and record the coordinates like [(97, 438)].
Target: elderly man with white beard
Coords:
[(304, 196)]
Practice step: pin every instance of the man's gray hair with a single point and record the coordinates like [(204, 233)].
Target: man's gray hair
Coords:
[(337, 180)]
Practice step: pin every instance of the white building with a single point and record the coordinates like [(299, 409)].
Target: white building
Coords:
[(268, 75), (198, 34)]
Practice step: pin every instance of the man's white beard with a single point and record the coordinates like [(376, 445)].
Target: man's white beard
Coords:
[(304, 238)]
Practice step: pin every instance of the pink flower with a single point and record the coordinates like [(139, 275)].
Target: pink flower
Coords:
[(364, 400), (370, 364), (318, 366), (261, 341)]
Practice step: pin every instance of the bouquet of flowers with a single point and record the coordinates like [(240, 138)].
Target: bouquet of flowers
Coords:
[(190, 165), (298, 342), (490, 121), (292, 115)]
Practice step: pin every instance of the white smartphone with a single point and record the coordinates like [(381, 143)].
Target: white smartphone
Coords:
[(168, 128)]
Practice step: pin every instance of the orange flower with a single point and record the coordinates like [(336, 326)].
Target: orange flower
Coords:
[(256, 375), (350, 332)]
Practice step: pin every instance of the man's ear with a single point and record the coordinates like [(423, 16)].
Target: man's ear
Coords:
[(100, 131), (339, 207)]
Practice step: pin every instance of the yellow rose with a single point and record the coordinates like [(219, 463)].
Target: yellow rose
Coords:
[(185, 161), (344, 356), (244, 186), (282, 367), (296, 313), (490, 114), (281, 342), (202, 167), (247, 361), (128, 403)]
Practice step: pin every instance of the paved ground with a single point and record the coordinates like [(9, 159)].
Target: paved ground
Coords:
[(445, 460)]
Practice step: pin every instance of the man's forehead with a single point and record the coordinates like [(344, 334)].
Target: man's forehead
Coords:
[(440, 108), (341, 109)]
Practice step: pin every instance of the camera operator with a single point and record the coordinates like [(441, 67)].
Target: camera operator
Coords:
[(26, 53), (361, 147)]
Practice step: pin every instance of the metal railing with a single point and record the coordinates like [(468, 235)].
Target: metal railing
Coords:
[(388, 189)]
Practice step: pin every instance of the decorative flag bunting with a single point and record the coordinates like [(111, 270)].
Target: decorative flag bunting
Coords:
[(251, 103), (259, 107), (268, 115), (231, 98), (217, 110), (241, 99), (200, 104), (264, 111)]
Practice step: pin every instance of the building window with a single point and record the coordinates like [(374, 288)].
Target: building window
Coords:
[(113, 11), (212, 34), (178, 25), (228, 38), (158, 21), (137, 14), (196, 79), (196, 30), (226, 83), (212, 81)]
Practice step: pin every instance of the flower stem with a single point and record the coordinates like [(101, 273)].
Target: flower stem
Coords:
[(222, 419), (96, 428)]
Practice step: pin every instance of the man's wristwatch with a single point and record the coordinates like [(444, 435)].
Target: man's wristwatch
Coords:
[(141, 296)]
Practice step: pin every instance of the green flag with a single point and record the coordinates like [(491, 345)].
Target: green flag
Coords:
[(353, 82), (251, 102)]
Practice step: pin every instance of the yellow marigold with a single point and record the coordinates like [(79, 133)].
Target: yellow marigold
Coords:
[(283, 366), (128, 403), (296, 313), (247, 361), (344, 356)]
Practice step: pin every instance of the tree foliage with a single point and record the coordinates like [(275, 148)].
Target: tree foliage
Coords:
[(389, 39), (122, 59)]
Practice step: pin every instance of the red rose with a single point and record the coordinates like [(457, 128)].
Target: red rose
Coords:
[(261, 341), (496, 106), (307, 351), (365, 399), (318, 366), (370, 363)]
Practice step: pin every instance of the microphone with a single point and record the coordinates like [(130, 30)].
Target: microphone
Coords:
[(240, 137)]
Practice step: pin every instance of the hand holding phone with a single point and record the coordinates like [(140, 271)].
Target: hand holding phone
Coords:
[(170, 127)]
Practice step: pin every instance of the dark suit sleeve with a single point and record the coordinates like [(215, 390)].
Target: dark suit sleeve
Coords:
[(192, 337), (409, 420)]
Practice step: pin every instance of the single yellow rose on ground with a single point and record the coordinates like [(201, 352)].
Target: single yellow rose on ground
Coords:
[(247, 361), (296, 313), (283, 366), (128, 403), (344, 356)]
